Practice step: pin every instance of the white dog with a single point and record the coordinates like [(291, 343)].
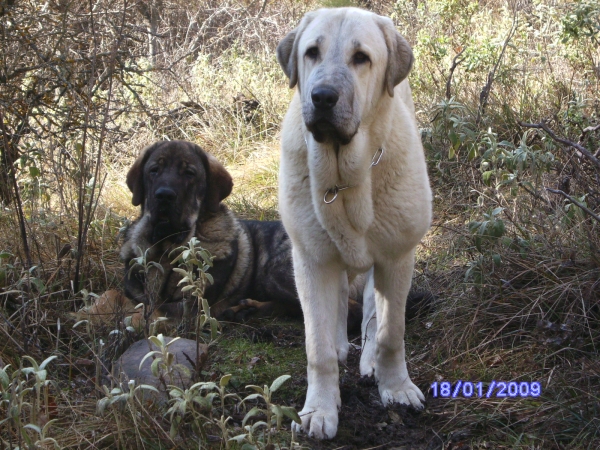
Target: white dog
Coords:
[(354, 197)]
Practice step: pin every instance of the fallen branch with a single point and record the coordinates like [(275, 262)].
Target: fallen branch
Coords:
[(584, 151), (575, 202)]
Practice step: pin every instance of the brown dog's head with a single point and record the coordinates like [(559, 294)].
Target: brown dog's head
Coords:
[(176, 182)]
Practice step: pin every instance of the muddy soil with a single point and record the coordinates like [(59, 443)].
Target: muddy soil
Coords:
[(363, 421)]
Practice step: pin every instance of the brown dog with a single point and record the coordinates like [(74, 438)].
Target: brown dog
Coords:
[(180, 188)]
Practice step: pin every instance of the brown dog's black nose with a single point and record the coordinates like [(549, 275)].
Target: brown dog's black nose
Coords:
[(324, 97), (164, 194)]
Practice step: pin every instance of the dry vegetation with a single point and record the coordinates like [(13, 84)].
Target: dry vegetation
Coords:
[(507, 98)]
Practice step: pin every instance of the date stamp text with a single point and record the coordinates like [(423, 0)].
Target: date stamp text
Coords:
[(494, 389)]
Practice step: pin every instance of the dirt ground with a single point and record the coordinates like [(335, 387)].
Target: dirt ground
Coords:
[(363, 421)]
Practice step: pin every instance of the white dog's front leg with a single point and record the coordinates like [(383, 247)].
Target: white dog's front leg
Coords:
[(369, 327), (342, 344), (392, 283), (319, 292)]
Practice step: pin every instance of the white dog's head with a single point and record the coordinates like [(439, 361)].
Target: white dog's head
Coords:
[(343, 61)]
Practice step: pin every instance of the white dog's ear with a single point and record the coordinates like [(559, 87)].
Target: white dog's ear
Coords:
[(287, 57), (287, 50), (400, 56)]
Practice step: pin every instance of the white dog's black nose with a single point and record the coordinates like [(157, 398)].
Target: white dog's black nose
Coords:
[(164, 194), (324, 97)]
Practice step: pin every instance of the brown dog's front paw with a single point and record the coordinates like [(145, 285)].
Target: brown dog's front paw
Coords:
[(247, 309)]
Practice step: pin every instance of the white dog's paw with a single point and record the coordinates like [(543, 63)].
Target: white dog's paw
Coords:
[(367, 366), (406, 393), (342, 351), (367, 358), (319, 423)]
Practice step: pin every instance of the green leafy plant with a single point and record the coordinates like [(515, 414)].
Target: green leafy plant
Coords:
[(490, 229), (164, 362), (24, 409), (194, 263), (485, 235), (118, 399), (273, 412), (188, 400), (142, 265)]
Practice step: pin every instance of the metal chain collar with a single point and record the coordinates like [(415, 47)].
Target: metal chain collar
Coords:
[(334, 191)]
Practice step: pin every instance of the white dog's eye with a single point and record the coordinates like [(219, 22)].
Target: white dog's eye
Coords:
[(360, 58), (313, 52)]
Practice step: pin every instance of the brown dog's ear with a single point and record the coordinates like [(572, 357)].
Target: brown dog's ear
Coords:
[(218, 182), (400, 56), (135, 176), (287, 50)]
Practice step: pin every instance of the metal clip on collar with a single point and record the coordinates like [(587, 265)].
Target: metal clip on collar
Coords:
[(334, 191)]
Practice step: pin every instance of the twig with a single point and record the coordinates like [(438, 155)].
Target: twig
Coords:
[(455, 63), (584, 151), (485, 92), (586, 131), (262, 8), (11, 170), (535, 194), (575, 201)]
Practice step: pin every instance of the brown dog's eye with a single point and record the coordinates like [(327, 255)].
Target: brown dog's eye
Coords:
[(313, 52), (190, 173), (153, 170), (360, 58)]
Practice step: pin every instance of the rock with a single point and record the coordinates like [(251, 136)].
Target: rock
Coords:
[(127, 367)]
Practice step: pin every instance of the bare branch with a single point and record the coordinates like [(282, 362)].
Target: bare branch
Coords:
[(575, 202), (584, 151), (586, 131), (455, 62), (485, 92)]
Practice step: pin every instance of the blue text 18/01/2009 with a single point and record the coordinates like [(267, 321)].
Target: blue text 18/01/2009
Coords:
[(498, 389)]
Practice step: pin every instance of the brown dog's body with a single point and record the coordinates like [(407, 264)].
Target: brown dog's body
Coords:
[(180, 188)]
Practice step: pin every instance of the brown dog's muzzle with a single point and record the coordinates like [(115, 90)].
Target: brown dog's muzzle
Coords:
[(165, 195)]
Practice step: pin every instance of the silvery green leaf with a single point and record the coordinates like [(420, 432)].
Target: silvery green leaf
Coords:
[(252, 397), (33, 427), (255, 388), (32, 361), (292, 414), (147, 387), (225, 380), (154, 368), (48, 425), (254, 411), (148, 355), (279, 381), (172, 340), (101, 405), (183, 370), (259, 424), (214, 325), (239, 438)]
